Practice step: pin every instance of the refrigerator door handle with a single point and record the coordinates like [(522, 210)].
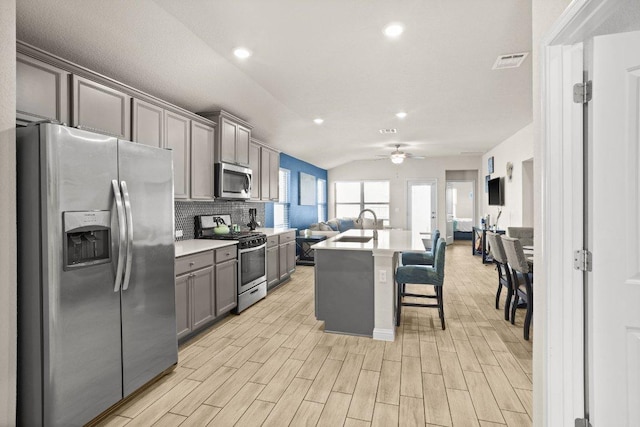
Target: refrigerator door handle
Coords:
[(121, 232), (129, 215)]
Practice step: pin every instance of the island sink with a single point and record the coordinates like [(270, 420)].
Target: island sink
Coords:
[(354, 239)]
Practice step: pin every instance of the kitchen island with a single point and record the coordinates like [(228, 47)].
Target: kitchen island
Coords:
[(354, 280)]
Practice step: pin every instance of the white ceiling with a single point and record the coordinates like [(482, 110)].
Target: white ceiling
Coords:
[(312, 58)]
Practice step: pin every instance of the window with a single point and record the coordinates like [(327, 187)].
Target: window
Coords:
[(322, 200), (353, 197), (281, 208)]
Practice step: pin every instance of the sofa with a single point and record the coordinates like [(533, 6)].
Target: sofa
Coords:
[(339, 225)]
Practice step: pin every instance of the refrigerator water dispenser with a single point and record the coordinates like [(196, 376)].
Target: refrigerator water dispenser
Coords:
[(87, 237)]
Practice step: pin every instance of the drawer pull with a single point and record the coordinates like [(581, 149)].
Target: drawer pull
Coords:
[(228, 254), (254, 291), (191, 264)]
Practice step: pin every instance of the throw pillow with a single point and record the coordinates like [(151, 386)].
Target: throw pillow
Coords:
[(325, 227), (333, 223)]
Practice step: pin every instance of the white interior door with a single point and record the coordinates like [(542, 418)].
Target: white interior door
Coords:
[(422, 206), (614, 225)]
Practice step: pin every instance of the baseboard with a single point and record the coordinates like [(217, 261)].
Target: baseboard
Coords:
[(384, 334)]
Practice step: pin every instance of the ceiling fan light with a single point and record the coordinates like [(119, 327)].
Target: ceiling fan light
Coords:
[(397, 158)]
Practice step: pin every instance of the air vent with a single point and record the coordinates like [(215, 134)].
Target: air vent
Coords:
[(512, 60), (384, 131)]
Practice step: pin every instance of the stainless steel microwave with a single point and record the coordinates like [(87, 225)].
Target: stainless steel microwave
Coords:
[(232, 181)]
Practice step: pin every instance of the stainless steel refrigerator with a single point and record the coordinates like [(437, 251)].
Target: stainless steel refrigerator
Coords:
[(96, 291)]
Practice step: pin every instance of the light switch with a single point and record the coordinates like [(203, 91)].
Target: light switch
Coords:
[(383, 276)]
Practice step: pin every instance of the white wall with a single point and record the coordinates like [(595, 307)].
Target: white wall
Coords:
[(8, 214), (516, 149), (398, 176), (464, 203)]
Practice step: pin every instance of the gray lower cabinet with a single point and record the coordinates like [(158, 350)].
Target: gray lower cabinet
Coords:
[(287, 261), (99, 108), (206, 288), (183, 305), (42, 91), (147, 123), (177, 136), (226, 286), (202, 146), (203, 297), (291, 257), (195, 292), (273, 261)]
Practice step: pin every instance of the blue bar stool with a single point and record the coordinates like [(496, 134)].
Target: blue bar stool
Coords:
[(422, 258), (422, 275)]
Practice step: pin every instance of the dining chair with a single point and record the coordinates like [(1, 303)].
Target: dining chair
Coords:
[(504, 275), (422, 258), (422, 275), (521, 280)]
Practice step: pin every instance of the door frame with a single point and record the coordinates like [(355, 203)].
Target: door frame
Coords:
[(434, 183), (475, 196), (558, 356)]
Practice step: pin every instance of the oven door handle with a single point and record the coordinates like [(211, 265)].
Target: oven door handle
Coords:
[(242, 251)]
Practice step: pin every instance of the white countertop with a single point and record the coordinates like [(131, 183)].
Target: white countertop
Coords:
[(274, 231), (188, 247), (389, 241)]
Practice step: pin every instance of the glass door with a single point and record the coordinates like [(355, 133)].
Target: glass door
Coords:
[(422, 206)]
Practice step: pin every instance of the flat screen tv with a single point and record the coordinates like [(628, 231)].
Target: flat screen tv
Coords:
[(496, 192)]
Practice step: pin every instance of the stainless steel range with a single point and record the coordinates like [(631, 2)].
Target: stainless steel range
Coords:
[(252, 257)]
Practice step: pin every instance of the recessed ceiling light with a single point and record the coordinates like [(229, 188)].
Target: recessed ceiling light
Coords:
[(393, 30), (318, 121), (242, 53), (401, 115)]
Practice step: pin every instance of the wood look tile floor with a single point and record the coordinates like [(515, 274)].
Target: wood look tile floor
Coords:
[(274, 366)]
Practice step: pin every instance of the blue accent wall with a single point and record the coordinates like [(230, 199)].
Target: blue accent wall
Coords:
[(300, 217)]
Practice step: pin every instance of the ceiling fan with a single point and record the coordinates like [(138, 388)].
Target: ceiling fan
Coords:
[(398, 156)]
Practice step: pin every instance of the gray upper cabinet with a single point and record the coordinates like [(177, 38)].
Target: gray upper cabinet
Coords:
[(243, 139), (228, 141), (274, 170), (42, 91), (269, 169), (254, 164), (101, 109), (202, 147), (147, 124), (233, 138), (178, 138)]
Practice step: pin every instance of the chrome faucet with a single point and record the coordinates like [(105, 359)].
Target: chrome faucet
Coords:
[(375, 221)]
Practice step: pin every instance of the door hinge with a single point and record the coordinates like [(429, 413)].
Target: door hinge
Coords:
[(582, 260), (582, 92), (582, 422)]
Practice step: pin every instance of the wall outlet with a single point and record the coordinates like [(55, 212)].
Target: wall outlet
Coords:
[(179, 233), (383, 276)]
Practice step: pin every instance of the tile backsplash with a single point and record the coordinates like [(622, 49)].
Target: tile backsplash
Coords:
[(239, 211)]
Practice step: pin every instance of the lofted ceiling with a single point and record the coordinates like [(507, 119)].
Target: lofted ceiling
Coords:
[(312, 58)]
